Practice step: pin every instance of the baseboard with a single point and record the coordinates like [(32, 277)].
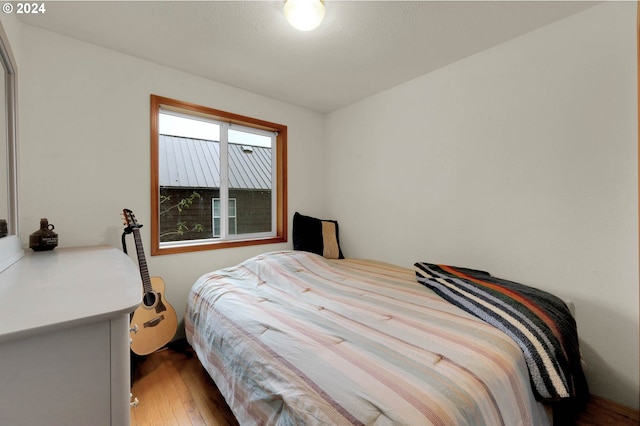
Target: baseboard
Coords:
[(617, 408)]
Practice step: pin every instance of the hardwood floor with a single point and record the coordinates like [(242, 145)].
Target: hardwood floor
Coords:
[(174, 389), (603, 412)]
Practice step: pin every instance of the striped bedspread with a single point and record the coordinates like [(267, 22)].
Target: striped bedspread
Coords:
[(538, 321), (291, 338)]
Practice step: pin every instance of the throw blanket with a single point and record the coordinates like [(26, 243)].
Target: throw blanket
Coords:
[(539, 322)]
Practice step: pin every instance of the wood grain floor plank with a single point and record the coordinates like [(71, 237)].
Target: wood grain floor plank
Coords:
[(171, 396), (186, 398), (151, 390), (207, 396)]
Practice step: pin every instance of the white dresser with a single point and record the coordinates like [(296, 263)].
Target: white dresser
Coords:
[(64, 337)]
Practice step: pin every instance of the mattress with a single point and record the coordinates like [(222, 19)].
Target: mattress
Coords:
[(291, 338)]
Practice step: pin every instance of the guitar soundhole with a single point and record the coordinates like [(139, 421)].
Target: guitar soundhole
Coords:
[(149, 299)]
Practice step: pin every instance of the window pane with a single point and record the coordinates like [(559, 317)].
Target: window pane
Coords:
[(189, 157), (216, 217), (232, 208), (250, 172), (233, 228), (249, 138), (216, 227)]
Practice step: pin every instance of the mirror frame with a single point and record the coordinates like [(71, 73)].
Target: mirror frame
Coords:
[(8, 63), (10, 247)]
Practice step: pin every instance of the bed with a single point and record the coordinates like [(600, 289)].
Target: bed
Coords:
[(292, 338)]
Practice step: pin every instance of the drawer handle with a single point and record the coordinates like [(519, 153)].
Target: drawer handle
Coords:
[(135, 401)]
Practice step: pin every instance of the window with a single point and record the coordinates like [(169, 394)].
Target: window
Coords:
[(218, 179), (233, 228)]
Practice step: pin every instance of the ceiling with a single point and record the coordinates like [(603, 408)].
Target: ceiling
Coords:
[(361, 48)]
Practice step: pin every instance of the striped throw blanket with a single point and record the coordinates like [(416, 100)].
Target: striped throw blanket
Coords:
[(539, 322)]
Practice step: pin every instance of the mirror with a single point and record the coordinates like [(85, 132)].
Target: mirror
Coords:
[(10, 248), (4, 175)]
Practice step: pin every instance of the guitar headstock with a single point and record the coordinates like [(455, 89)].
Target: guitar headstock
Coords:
[(129, 219)]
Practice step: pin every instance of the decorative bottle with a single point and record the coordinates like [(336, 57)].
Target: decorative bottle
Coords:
[(44, 238)]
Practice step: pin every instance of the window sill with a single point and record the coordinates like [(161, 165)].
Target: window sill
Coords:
[(186, 247)]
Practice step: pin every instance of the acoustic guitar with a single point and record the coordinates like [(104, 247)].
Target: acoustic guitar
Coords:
[(154, 322)]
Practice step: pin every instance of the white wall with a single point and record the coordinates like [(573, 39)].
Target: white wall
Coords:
[(521, 160), (84, 148)]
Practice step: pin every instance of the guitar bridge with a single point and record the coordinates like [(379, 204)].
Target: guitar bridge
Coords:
[(153, 322)]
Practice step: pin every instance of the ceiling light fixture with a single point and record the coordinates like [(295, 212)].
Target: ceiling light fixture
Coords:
[(304, 15)]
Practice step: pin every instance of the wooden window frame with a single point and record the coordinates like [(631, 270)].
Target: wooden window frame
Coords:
[(281, 176)]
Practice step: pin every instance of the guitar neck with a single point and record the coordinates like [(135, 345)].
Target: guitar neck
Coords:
[(142, 261)]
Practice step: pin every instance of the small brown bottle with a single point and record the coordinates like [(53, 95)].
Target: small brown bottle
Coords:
[(44, 238)]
